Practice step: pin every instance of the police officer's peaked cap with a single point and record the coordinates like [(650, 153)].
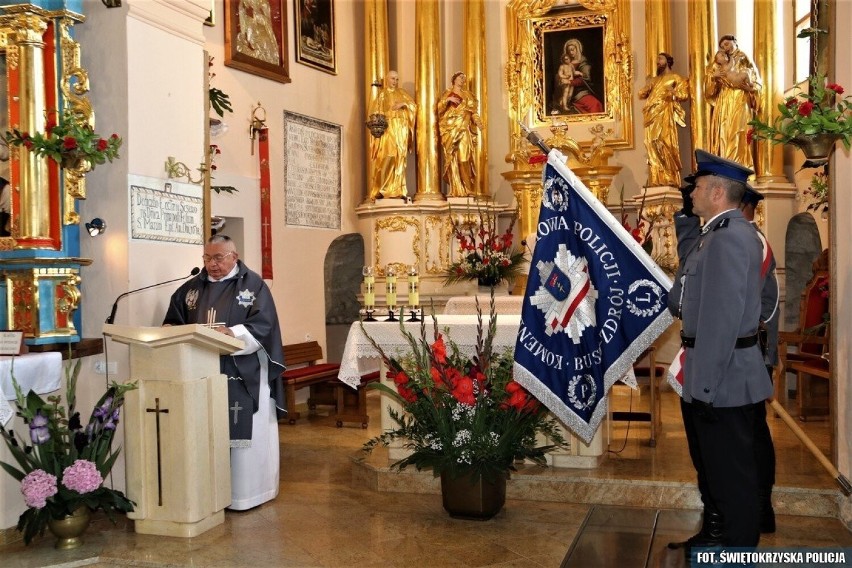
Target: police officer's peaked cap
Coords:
[(751, 196), (712, 165)]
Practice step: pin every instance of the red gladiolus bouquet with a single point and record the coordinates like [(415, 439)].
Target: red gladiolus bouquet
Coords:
[(463, 414), (68, 142)]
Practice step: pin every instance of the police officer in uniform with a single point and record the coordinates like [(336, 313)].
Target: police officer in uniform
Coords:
[(717, 294)]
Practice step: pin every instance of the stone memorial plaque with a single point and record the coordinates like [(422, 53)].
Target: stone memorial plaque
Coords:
[(166, 211), (312, 158)]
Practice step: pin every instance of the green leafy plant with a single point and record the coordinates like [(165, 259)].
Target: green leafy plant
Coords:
[(220, 101), (486, 255), (62, 464), (68, 142), (463, 414), (820, 110)]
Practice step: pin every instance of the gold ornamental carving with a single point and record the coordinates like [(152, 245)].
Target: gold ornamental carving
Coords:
[(664, 252), (396, 224), (74, 86), (442, 229)]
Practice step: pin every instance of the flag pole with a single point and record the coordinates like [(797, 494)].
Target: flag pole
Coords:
[(839, 477)]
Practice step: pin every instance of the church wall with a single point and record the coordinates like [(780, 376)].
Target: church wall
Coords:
[(298, 253)]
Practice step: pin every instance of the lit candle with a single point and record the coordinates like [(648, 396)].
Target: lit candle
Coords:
[(369, 287), (413, 287), (390, 287)]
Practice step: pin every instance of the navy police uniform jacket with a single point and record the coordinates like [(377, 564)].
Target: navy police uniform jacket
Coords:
[(717, 294)]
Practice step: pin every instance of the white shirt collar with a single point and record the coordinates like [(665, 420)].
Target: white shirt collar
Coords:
[(234, 271)]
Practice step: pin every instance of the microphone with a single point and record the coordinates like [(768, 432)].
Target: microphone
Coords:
[(111, 317), (526, 246)]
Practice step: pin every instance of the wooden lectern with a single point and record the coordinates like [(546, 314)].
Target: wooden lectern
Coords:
[(177, 447)]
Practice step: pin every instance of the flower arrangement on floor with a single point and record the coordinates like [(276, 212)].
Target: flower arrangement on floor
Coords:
[(463, 415), (68, 142), (820, 110), (62, 465), (487, 256)]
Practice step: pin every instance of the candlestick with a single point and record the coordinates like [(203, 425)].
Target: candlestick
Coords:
[(369, 292), (390, 291), (413, 292)]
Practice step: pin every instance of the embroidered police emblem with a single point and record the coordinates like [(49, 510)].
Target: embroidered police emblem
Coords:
[(582, 392), (246, 298), (192, 299), (644, 298), (555, 194), (566, 295)]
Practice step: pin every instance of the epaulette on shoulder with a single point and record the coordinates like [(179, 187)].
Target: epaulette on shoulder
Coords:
[(722, 224)]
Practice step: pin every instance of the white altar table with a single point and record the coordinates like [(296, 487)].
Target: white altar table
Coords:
[(461, 305), (360, 357), (39, 372)]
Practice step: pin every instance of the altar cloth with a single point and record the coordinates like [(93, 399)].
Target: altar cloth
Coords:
[(360, 357), (39, 372)]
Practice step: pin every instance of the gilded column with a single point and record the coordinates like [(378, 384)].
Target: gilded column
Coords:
[(658, 33), (428, 64), (34, 219), (701, 47), (475, 66), (769, 159), (378, 66)]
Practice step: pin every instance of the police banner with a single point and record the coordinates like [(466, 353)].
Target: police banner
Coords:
[(594, 302)]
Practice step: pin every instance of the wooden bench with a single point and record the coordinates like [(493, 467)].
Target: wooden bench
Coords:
[(304, 371), (350, 405)]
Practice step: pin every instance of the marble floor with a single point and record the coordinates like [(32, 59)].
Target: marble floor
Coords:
[(322, 518)]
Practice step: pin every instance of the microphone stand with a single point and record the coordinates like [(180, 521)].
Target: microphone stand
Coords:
[(111, 317)]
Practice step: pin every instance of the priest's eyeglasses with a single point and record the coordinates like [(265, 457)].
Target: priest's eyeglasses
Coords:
[(217, 258)]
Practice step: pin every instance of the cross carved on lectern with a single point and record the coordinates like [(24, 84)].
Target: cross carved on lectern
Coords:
[(236, 408), (157, 411)]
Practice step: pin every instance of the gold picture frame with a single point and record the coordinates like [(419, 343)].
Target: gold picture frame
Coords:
[(316, 40), (601, 93), (265, 21)]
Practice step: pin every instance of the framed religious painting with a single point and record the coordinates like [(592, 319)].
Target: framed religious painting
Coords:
[(315, 35), (580, 74), (256, 38)]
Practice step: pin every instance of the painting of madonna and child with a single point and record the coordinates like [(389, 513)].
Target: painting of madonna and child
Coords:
[(573, 72)]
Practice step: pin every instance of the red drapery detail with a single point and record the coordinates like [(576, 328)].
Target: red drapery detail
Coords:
[(265, 209)]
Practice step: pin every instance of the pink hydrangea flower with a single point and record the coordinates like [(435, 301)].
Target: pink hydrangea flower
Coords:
[(82, 476), (37, 487)]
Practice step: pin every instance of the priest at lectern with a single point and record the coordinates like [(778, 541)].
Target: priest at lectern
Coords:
[(228, 297)]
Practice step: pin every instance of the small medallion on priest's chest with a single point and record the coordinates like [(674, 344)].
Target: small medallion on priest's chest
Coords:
[(192, 299)]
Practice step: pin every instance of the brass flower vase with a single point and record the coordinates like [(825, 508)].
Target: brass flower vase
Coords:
[(816, 147), (69, 530), (471, 497)]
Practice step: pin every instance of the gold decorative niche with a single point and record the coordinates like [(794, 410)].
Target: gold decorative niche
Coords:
[(538, 32)]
